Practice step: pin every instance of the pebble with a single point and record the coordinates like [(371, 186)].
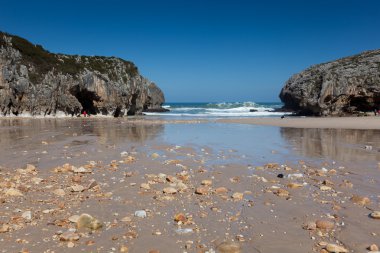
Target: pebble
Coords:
[(74, 218), (86, 221), (36, 180), (360, 200), (59, 192), (202, 190), (27, 215), (124, 249), (373, 247), (155, 155), (333, 248), (294, 185), (221, 190), (13, 192), (375, 215), (169, 190), (69, 236), (325, 224), (229, 247), (140, 213), (310, 225), (145, 186), (80, 170), (126, 219), (281, 193), (237, 196), (325, 188), (182, 231), (206, 182), (77, 188)]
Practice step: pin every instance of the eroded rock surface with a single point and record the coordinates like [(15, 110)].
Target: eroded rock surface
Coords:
[(345, 86), (35, 81)]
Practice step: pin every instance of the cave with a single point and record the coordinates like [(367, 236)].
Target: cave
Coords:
[(132, 109), (87, 99), (364, 104)]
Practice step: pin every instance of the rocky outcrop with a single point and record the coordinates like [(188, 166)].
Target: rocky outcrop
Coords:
[(35, 81), (345, 86)]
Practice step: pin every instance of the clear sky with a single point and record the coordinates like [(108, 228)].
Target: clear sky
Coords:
[(203, 50)]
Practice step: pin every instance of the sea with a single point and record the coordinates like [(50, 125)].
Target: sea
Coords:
[(221, 109)]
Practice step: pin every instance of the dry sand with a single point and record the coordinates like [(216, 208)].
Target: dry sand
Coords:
[(311, 122), (195, 199)]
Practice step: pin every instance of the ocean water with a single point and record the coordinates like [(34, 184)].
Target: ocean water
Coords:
[(222, 109)]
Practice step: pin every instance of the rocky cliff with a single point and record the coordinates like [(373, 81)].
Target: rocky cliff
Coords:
[(35, 81), (345, 86)]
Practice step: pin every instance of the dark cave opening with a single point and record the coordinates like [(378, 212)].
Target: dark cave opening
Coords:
[(365, 104), (87, 99), (132, 109)]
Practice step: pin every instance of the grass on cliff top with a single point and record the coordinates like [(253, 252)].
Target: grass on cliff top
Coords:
[(43, 61)]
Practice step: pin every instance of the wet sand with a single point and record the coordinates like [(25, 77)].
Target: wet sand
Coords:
[(203, 186), (309, 122)]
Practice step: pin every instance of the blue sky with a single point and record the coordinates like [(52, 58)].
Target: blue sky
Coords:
[(199, 51)]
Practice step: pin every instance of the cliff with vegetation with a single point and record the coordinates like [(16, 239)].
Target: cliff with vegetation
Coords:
[(346, 86), (35, 81)]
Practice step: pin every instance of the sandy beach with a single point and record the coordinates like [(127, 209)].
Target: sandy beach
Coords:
[(115, 185), (369, 122)]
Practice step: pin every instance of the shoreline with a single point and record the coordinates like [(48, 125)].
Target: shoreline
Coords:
[(369, 122)]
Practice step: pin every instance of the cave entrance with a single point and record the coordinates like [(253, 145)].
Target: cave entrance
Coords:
[(87, 99)]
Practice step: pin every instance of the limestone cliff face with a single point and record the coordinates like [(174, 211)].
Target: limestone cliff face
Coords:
[(35, 81), (344, 86)]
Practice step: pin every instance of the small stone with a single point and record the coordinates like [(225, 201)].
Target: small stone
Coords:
[(373, 247), (140, 213), (375, 215), (4, 228), (74, 218), (92, 184), (70, 245), (238, 196), (13, 193), (206, 182), (77, 188), (59, 192), (76, 179), (124, 249), (360, 200), (155, 155), (180, 217), (202, 190), (325, 224), (86, 221), (333, 248), (69, 236), (169, 190), (325, 188), (310, 226), (281, 193), (145, 186), (294, 185), (36, 180), (229, 247), (27, 215), (80, 170), (221, 190), (154, 251)]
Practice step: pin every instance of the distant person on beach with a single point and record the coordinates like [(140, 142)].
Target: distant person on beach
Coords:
[(84, 114)]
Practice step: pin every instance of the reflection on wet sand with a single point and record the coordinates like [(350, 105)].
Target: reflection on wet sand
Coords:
[(336, 144)]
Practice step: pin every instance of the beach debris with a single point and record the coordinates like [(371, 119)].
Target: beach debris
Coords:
[(124, 249), (221, 190), (86, 221), (373, 247), (333, 248), (237, 196), (375, 215), (145, 186), (202, 190), (183, 231), (69, 236), (281, 193), (27, 215), (140, 213), (206, 182), (77, 188)]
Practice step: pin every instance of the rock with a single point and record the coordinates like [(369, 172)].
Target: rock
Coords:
[(4, 228), (59, 192), (76, 179), (202, 190), (126, 219), (281, 193), (74, 218), (36, 180), (333, 248), (344, 86), (77, 188), (154, 251), (42, 83), (375, 215), (183, 231), (237, 196), (92, 184), (229, 247), (13, 193), (169, 190), (155, 155), (124, 249), (363, 201), (310, 226), (80, 170), (70, 245), (325, 188), (294, 185), (206, 182), (373, 247), (27, 215), (180, 217), (86, 221), (145, 186), (221, 190), (325, 224), (69, 236), (140, 213)]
